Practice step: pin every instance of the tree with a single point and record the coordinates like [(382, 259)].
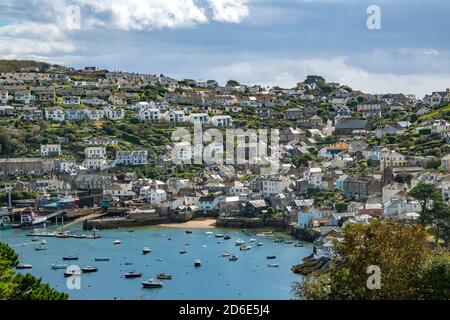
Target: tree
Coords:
[(409, 269), (439, 215), (425, 194), (314, 81), (232, 83), (22, 287)]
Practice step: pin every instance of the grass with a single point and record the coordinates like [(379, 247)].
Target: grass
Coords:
[(438, 113)]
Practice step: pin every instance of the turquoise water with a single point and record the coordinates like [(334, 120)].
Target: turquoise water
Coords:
[(217, 278)]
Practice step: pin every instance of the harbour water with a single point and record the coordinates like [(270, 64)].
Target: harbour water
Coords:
[(218, 278)]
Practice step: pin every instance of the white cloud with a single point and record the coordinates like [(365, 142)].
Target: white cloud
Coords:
[(30, 38), (231, 11), (147, 14), (288, 72)]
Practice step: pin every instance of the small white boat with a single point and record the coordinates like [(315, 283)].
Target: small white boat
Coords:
[(116, 242), (233, 258), (197, 263), (24, 266), (204, 246), (44, 241), (41, 248), (273, 265), (245, 248), (57, 266), (260, 244), (225, 254), (159, 259), (183, 251), (152, 284), (209, 233), (146, 250), (252, 240), (89, 269), (220, 235), (239, 242)]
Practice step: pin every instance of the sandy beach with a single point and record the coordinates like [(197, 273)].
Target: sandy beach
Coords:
[(199, 223)]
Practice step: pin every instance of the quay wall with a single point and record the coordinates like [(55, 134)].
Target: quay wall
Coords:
[(237, 222)]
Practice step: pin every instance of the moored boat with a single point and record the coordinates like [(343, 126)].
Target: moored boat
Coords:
[(245, 248), (24, 266), (226, 254), (197, 263), (183, 251), (5, 223), (101, 259), (226, 238), (271, 257), (146, 250), (152, 284), (233, 258), (70, 258), (89, 269), (273, 265), (72, 273), (260, 244), (57, 266), (220, 235), (117, 242), (239, 242), (30, 219), (132, 275), (163, 276), (41, 248), (209, 233), (252, 240), (188, 231)]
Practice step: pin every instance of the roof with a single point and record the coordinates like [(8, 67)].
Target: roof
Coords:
[(258, 203)]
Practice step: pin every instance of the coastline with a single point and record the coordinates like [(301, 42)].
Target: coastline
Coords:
[(198, 223)]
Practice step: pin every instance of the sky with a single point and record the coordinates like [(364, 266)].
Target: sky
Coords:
[(266, 42)]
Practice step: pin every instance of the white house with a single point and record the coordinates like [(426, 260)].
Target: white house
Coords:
[(94, 101), (23, 96), (119, 190), (94, 114), (54, 114), (90, 152), (152, 195), (114, 113), (391, 158), (4, 96), (50, 149), (314, 177), (71, 100), (274, 185), (75, 114), (175, 116), (95, 163), (398, 207), (149, 114), (222, 121), (199, 118), (132, 158)]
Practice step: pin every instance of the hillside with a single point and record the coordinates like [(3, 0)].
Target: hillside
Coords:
[(442, 112), (18, 65)]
